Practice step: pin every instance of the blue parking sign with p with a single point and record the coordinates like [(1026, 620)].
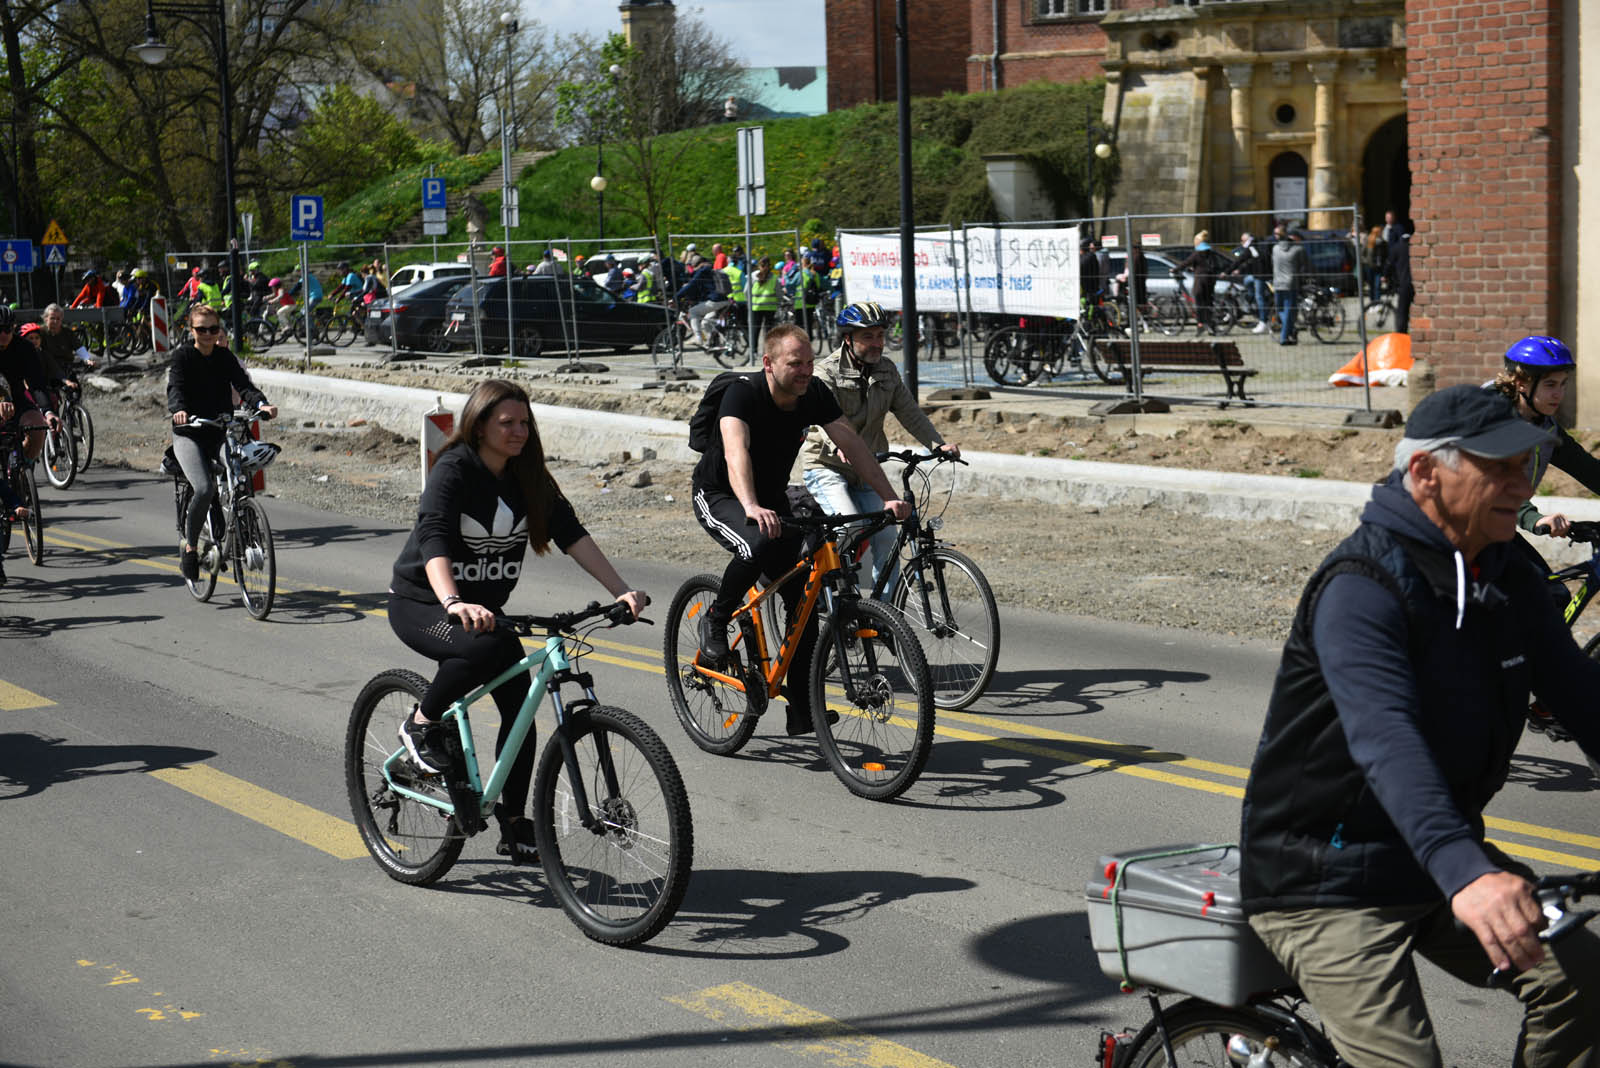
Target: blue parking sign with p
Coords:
[(305, 218), (433, 193)]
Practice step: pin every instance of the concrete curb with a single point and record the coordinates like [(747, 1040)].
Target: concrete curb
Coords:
[(575, 433)]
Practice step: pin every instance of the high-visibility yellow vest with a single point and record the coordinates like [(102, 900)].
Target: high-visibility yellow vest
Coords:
[(736, 277), (764, 295)]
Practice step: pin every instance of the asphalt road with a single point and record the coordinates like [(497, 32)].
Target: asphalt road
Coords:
[(183, 886)]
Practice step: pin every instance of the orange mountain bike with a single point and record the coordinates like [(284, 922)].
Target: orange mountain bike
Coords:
[(872, 700)]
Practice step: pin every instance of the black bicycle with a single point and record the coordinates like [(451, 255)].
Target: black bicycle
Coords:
[(236, 530), (1587, 576), (19, 474), (941, 592), (70, 446)]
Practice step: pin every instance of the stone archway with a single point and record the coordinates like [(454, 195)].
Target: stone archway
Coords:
[(1288, 174), (1386, 173)]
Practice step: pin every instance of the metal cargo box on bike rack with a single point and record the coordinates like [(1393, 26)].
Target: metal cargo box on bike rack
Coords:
[(1171, 918)]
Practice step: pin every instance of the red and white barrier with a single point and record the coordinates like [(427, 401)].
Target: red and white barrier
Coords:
[(437, 426), (158, 326)]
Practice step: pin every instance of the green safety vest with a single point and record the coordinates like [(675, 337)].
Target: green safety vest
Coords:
[(211, 295), (736, 277), (764, 295), (647, 286)]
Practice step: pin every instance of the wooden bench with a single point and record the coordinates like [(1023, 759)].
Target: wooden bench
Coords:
[(1185, 358)]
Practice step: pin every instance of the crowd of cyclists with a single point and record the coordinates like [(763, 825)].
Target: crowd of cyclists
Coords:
[(1421, 636)]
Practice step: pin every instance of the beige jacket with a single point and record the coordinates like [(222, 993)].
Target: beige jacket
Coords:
[(866, 395)]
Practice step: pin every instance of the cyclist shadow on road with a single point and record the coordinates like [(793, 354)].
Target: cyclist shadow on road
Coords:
[(35, 762), (1552, 776), (325, 606), (1073, 691), (745, 914), (315, 537), (1005, 774)]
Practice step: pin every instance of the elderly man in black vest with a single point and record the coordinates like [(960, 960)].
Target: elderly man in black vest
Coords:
[(1403, 689)]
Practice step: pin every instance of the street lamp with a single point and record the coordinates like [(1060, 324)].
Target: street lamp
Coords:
[(598, 182), (508, 23), (1099, 144), (154, 51)]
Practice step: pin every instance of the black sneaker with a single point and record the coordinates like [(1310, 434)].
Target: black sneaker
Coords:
[(424, 745), (189, 564), (516, 838), (714, 641)]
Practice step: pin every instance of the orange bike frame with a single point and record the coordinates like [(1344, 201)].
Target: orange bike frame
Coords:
[(823, 562)]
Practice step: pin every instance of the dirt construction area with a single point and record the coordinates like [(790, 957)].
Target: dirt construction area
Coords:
[(1134, 565)]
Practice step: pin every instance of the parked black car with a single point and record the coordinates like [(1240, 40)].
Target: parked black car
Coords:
[(546, 310), (415, 315), (1333, 259)]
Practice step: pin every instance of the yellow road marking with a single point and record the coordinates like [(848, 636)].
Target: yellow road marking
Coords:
[(741, 1007), (15, 698), (336, 837)]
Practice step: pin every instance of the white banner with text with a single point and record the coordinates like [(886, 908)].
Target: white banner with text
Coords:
[(1001, 270)]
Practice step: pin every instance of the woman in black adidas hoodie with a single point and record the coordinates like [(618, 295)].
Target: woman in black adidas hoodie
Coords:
[(488, 498)]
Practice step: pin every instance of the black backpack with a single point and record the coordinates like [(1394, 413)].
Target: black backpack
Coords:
[(703, 424)]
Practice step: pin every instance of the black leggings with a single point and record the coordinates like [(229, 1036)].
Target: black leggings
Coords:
[(758, 557), (467, 661)]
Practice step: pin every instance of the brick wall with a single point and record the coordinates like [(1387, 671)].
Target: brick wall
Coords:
[(939, 36), (1484, 102)]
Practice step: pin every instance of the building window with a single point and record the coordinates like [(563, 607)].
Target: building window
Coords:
[(1066, 9)]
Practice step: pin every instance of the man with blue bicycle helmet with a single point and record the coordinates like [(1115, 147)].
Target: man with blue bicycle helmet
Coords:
[(868, 388), (1538, 370)]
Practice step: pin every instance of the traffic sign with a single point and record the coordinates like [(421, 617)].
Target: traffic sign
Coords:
[(510, 208), (305, 217), (16, 256), (53, 235), (752, 170), (433, 194), (435, 229), (55, 255)]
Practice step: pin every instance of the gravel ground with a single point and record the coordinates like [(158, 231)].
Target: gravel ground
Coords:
[(1140, 566)]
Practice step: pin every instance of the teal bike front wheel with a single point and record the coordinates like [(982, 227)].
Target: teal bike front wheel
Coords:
[(413, 842), (621, 874)]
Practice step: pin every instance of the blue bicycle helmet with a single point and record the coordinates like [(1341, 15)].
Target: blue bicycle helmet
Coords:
[(1536, 355), (862, 316)]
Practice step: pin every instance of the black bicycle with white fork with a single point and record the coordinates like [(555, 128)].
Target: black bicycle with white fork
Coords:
[(236, 531), (941, 592)]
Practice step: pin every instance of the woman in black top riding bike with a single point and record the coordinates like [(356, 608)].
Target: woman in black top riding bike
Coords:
[(201, 382), (488, 498)]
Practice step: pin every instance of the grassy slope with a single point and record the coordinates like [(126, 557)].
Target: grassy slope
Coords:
[(824, 172)]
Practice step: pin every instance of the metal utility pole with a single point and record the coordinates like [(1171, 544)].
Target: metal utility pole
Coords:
[(908, 236)]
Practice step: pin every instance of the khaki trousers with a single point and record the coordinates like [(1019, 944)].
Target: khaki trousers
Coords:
[(1355, 967)]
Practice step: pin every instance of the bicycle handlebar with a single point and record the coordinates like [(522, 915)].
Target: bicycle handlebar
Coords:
[(616, 613), (1587, 532), (912, 459), (1556, 895), (222, 422)]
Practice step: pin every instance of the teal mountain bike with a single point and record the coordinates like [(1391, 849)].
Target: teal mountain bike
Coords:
[(611, 817)]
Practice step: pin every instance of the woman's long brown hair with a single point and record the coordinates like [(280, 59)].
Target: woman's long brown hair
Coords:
[(539, 489)]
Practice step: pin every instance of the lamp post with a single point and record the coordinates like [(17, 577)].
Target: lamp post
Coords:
[(1098, 140), (508, 23), (153, 51), (598, 182)]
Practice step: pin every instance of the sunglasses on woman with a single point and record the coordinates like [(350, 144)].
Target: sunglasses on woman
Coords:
[(215, 329)]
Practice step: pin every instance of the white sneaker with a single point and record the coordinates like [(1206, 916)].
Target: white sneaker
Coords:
[(1261, 328)]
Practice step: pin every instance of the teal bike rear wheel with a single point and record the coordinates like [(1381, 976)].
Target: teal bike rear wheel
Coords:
[(412, 842)]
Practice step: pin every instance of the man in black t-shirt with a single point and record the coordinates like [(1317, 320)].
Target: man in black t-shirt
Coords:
[(741, 483)]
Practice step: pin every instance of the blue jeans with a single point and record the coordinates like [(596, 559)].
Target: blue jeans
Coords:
[(838, 497), (1288, 304), (1258, 286)]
